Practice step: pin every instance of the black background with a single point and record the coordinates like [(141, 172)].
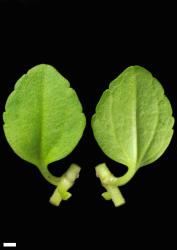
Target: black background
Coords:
[(89, 45)]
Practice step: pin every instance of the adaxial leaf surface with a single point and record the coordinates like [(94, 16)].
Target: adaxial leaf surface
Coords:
[(43, 119), (133, 120)]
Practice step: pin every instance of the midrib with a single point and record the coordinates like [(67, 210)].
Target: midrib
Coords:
[(41, 117), (135, 127)]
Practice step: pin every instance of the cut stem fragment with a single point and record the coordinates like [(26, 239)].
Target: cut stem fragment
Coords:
[(66, 181), (109, 182)]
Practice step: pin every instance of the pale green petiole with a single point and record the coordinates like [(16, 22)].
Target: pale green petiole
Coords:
[(65, 182), (109, 182)]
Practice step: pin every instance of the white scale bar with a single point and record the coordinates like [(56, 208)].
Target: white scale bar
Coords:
[(9, 244)]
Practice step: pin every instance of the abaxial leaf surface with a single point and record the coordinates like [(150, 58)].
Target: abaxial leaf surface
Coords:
[(133, 120)]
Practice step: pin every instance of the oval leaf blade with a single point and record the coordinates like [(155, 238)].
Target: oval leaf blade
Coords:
[(43, 119), (133, 120)]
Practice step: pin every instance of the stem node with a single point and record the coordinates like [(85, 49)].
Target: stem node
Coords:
[(66, 181), (109, 182)]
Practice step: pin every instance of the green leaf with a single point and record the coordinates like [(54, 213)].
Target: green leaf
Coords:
[(43, 119), (133, 120)]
